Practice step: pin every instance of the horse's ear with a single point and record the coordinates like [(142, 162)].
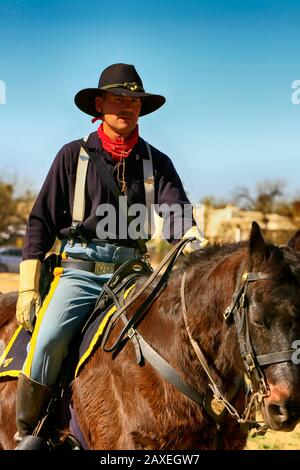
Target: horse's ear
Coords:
[(256, 241), (294, 242)]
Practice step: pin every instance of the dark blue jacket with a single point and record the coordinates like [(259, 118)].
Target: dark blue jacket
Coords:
[(51, 215)]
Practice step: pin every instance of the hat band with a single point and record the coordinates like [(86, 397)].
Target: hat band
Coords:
[(132, 86)]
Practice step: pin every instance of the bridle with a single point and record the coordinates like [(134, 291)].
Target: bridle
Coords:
[(238, 309)]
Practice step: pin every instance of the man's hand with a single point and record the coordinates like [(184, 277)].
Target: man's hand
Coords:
[(195, 245), (29, 299)]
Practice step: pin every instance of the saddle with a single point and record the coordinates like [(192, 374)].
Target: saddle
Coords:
[(123, 278), (115, 293)]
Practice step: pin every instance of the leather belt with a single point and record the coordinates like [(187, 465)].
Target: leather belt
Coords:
[(97, 267)]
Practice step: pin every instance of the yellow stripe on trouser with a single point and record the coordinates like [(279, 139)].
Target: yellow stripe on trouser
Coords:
[(99, 332), (40, 315)]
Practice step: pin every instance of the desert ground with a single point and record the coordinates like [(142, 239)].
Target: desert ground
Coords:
[(271, 441), (9, 282)]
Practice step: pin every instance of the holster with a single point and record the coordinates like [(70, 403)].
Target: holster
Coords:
[(49, 264)]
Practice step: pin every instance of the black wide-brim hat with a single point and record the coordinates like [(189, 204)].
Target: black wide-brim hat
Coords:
[(122, 80)]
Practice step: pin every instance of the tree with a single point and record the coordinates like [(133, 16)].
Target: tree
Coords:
[(212, 201), (14, 210), (264, 200)]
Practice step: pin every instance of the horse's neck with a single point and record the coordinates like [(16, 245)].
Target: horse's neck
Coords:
[(208, 293), (214, 283)]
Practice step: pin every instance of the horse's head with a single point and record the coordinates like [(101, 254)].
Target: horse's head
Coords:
[(273, 304)]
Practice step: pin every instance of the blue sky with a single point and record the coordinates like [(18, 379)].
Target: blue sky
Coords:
[(225, 67)]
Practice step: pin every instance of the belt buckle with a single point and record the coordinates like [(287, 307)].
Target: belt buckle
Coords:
[(104, 268)]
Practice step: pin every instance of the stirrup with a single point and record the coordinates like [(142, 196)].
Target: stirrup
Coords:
[(17, 437), (32, 443)]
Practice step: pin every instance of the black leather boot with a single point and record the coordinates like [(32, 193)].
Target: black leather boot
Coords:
[(32, 399)]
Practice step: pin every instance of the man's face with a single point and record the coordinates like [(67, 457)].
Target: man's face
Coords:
[(120, 113)]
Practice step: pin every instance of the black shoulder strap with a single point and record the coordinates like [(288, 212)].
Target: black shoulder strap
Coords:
[(108, 180)]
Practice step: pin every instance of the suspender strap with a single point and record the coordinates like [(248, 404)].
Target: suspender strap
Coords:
[(76, 229), (149, 187), (79, 199)]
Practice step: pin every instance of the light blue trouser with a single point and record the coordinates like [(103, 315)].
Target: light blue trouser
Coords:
[(74, 296)]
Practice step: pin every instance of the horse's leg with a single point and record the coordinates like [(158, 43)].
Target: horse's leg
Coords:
[(7, 386)]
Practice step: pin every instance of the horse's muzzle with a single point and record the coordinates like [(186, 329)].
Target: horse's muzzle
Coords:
[(281, 415)]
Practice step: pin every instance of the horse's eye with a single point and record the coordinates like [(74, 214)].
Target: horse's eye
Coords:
[(259, 295), (260, 323), (257, 315)]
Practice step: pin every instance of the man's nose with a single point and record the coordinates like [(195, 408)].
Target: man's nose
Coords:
[(128, 107), (128, 103)]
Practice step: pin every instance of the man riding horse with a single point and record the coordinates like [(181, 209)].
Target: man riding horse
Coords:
[(68, 207)]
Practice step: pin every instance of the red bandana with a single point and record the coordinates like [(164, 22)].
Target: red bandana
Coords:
[(119, 149)]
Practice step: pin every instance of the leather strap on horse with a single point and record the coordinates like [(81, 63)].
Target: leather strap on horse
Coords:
[(221, 403), (275, 357), (238, 309), (170, 374), (252, 362), (125, 321)]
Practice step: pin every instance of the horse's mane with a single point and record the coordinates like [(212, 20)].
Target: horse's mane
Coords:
[(282, 262), (211, 253), (293, 259)]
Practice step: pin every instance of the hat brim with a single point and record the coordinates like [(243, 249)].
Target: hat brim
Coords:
[(85, 100)]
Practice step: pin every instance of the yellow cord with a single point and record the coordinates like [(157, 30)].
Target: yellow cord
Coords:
[(121, 179)]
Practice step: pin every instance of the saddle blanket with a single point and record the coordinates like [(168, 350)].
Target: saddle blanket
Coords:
[(15, 353)]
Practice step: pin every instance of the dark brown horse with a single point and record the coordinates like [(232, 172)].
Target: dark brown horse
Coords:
[(122, 405)]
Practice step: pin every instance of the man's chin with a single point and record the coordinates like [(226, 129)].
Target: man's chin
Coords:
[(125, 127)]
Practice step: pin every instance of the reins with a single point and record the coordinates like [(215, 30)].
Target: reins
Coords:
[(220, 401), (167, 264)]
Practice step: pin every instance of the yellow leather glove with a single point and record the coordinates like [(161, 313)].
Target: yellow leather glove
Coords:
[(29, 301), (195, 245)]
